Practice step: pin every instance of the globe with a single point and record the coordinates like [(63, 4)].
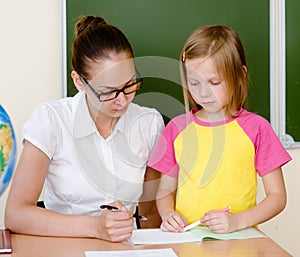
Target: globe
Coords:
[(8, 150)]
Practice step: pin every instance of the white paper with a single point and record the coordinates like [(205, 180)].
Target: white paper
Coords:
[(157, 236), (166, 252)]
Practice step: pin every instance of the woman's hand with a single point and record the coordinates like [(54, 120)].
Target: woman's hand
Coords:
[(115, 226), (173, 222)]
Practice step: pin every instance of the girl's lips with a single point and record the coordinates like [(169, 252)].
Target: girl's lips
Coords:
[(207, 103)]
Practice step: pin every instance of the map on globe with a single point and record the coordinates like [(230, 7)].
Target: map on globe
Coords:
[(6, 146), (7, 150)]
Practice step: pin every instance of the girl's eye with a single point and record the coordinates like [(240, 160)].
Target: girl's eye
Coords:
[(215, 83), (193, 83)]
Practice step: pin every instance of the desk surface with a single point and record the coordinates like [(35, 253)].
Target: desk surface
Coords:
[(35, 246)]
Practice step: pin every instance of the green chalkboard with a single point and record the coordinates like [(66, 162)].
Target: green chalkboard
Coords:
[(292, 69), (160, 28)]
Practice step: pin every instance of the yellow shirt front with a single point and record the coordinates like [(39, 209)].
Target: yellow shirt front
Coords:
[(216, 169), (216, 164)]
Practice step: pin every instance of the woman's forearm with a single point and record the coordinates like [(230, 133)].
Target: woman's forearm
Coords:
[(38, 221)]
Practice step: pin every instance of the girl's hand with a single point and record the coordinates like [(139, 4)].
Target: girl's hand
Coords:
[(173, 222), (220, 222), (115, 226)]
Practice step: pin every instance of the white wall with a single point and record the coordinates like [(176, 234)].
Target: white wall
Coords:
[(29, 60), (30, 74), (285, 228)]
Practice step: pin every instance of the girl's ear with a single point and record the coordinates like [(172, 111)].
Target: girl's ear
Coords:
[(244, 70), (77, 81)]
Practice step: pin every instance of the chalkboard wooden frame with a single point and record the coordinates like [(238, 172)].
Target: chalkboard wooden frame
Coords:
[(63, 49), (278, 103), (277, 63)]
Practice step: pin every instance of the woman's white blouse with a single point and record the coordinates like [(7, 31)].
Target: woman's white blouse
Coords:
[(87, 170)]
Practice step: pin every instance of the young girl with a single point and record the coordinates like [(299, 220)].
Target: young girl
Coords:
[(91, 150), (210, 157)]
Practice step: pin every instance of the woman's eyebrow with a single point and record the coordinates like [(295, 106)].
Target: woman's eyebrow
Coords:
[(115, 88), (132, 77)]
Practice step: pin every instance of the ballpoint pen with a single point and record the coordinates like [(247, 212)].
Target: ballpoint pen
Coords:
[(109, 207), (113, 208), (198, 222)]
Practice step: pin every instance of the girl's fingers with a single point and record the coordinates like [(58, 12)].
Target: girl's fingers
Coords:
[(170, 226), (173, 222)]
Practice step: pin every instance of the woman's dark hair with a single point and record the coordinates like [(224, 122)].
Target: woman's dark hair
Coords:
[(95, 40)]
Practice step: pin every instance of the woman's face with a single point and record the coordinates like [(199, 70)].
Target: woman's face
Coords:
[(108, 75)]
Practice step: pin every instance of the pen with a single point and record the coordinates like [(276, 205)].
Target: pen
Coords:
[(228, 208), (196, 223), (109, 207), (188, 227), (113, 208)]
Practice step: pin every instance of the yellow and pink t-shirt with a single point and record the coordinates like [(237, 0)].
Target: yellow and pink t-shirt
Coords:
[(216, 164)]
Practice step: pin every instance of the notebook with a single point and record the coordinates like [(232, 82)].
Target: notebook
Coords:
[(5, 243), (167, 252), (200, 233)]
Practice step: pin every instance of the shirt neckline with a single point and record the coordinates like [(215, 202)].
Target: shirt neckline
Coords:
[(83, 122), (213, 124)]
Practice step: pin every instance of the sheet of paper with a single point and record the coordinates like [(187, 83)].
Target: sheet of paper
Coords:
[(157, 236), (167, 252)]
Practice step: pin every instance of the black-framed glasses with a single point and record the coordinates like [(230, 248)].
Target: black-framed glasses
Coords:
[(110, 95)]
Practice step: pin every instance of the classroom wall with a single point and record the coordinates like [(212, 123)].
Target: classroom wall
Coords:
[(30, 74), (29, 61), (284, 228)]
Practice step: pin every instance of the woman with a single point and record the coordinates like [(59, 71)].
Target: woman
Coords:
[(90, 149)]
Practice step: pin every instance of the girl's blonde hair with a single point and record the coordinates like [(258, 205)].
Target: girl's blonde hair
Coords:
[(223, 45)]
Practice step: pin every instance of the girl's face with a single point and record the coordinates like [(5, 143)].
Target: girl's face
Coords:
[(206, 86), (109, 75)]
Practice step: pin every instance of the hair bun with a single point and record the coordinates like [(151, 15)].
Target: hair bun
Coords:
[(87, 23)]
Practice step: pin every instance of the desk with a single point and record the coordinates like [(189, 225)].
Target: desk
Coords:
[(35, 246)]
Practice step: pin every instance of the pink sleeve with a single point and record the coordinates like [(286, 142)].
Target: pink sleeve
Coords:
[(269, 152), (163, 158)]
